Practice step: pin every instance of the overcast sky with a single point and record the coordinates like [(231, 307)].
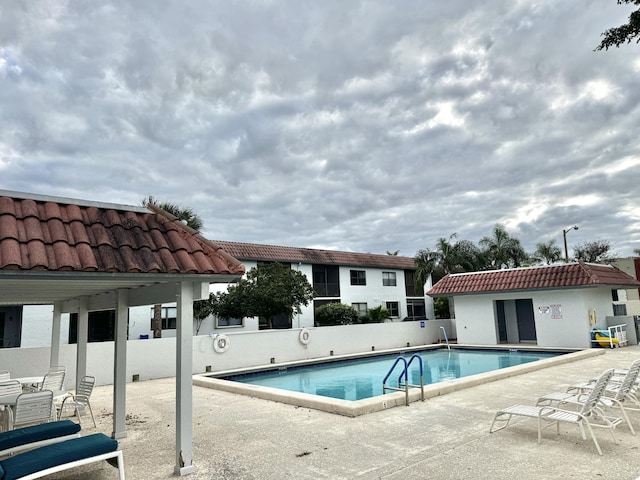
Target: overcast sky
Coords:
[(365, 126)]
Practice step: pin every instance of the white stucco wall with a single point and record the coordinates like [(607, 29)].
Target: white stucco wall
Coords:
[(156, 358), (374, 294), (476, 319)]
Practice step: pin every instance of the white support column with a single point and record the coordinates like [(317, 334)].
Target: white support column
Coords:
[(54, 358), (184, 368), (83, 335), (120, 366)]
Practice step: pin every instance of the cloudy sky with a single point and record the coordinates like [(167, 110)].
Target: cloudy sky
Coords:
[(366, 126)]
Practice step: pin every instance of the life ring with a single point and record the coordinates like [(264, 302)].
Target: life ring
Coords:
[(305, 336), (221, 343)]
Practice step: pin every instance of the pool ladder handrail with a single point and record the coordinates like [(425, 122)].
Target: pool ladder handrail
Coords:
[(446, 339), (405, 373)]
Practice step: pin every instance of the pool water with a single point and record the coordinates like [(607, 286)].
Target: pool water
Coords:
[(362, 378)]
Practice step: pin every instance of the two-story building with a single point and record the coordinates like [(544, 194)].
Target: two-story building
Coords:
[(362, 280)]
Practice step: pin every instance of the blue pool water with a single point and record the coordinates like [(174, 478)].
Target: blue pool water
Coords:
[(362, 378)]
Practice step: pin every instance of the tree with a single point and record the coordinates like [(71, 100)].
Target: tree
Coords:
[(503, 250), (598, 251), (268, 290), (614, 37), (447, 257), (636, 251), (193, 221), (547, 252)]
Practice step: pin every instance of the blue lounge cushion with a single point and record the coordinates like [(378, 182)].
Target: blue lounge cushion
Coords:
[(37, 433), (56, 454)]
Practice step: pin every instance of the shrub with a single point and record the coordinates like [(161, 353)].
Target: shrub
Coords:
[(335, 314), (377, 314)]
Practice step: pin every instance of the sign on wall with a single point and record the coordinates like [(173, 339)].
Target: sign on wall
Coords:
[(554, 310)]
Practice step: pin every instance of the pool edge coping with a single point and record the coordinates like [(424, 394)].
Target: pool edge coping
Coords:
[(354, 408)]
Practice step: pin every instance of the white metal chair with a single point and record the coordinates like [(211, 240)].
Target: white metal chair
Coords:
[(588, 411), (53, 380), (616, 394), (33, 408), (79, 400), (11, 388)]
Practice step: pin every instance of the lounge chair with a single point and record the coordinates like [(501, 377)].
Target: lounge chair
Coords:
[(27, 438), (616, 395), (62, 456), (582, 417)]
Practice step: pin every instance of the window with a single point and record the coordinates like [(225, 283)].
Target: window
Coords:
[(169, 315), (358, 277), (326, 281), (361, 308), (614, 295), (101, 326), (416, 309), (394, 309), (389, 279), (619, 309), (411, 289), (228, 322)]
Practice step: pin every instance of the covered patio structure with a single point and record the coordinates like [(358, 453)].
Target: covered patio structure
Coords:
[(82, 256)]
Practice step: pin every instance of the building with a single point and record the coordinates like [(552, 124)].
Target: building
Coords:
[(627, 302), (551, 306), (362, 280)]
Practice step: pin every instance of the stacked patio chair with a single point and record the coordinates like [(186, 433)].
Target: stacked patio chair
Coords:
[(588, 415)]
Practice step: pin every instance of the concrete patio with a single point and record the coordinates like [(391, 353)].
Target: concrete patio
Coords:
[(446, 437)]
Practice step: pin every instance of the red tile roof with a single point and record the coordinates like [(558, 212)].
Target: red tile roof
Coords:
[(570, 275), (257, 252), (40, 233)]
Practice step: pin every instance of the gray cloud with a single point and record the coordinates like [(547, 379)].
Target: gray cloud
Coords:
[(366, 125)]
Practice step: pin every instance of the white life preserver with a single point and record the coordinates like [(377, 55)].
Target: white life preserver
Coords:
[(305, 336), (221, 343)]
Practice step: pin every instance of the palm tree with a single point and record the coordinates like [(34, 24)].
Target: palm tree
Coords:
[(448, 257), (193, 221), (503, 250), (548, 252)]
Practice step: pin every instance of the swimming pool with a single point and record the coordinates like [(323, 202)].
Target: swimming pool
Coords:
[(362, 378), (441, 368)]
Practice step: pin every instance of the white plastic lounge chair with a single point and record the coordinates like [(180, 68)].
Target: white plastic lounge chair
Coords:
[(582, 417), (61, 456), (28, 438), (32, 408), (4, 375), (79, 400), (616, 395)]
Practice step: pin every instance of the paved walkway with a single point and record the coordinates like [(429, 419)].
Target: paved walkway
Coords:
[(446, 437)]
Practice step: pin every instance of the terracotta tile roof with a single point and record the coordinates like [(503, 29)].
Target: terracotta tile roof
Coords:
[(569, 275), (39, 233), (257, 252)]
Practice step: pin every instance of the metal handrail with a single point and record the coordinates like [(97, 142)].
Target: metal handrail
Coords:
[(405, 373), (445, 338)]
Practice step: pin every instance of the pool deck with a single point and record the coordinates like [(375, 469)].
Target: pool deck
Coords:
[(445, 437)]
